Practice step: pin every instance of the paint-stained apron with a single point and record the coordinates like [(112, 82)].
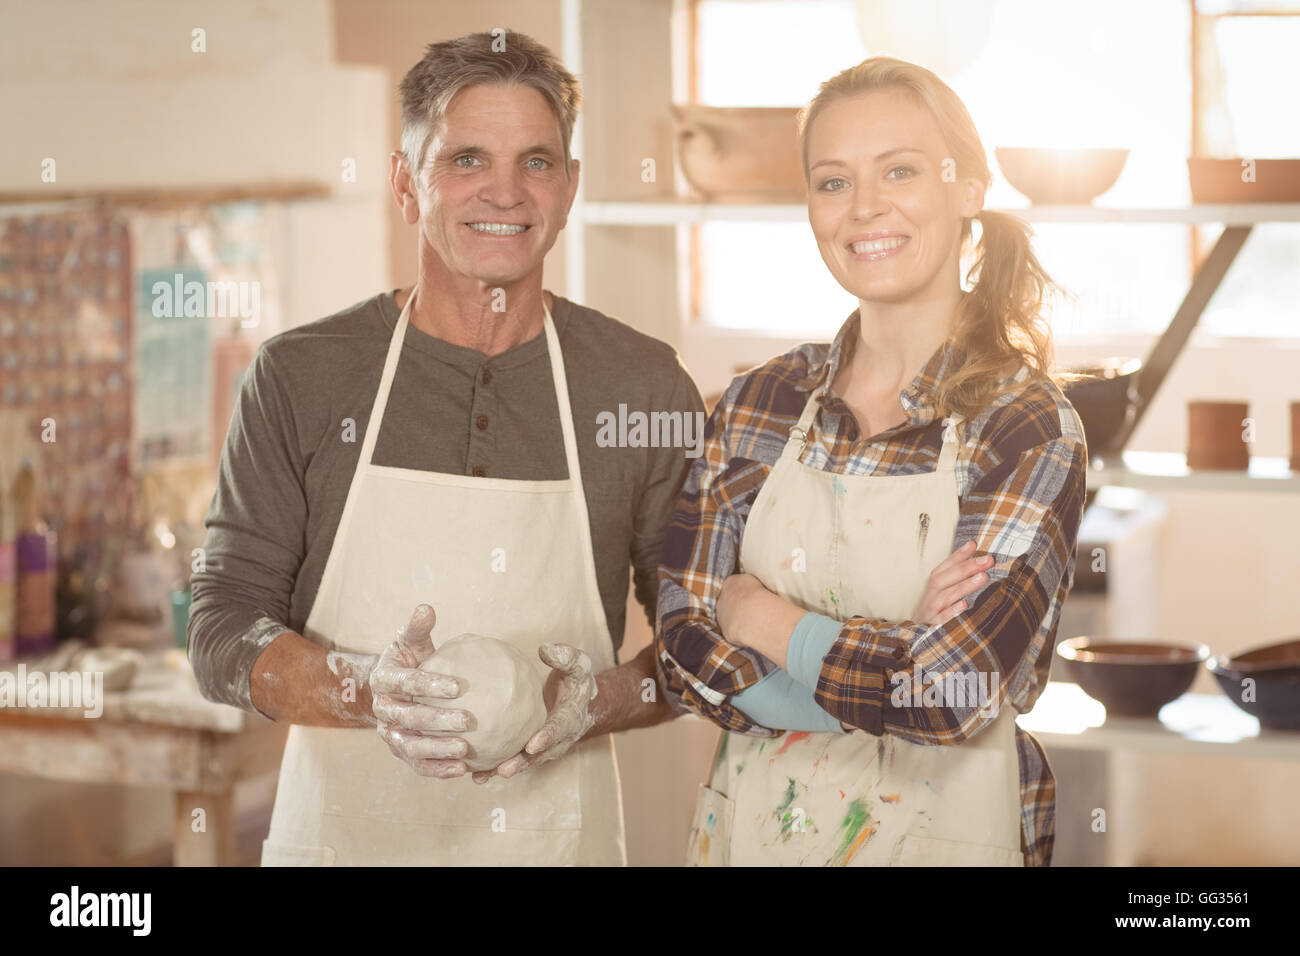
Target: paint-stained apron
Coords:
[(510, 559), (844, 546)]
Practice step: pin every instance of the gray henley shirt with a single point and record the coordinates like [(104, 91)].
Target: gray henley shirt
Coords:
[(285, 468)]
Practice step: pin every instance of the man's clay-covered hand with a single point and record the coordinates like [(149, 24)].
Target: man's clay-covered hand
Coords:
[(407, 703), (570, 689)]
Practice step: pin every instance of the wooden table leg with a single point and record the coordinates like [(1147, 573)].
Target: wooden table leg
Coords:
[(206, 839)]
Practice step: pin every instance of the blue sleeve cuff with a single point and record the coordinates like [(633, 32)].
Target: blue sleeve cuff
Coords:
[(810, 641), (780, 702)]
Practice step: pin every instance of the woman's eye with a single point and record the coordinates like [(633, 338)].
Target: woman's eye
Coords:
[(906, 169), (832, 185)]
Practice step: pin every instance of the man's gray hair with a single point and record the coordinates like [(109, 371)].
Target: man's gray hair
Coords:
[(495, 58)]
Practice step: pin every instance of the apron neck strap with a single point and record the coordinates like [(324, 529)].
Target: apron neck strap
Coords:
[(385, 383), (952, 433), (799, 433), (948, 453), (561, 383)]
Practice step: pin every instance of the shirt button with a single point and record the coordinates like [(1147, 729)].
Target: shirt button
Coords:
[(487, 376), (478, 471), (481, 422)]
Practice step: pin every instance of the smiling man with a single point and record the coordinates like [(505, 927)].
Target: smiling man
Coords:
[(425, 463)]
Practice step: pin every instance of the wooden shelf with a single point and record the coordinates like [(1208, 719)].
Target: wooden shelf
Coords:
[(686, 212), (171, 197), (1146, 470), (1156, 470), (1228, 215), (683, 212)]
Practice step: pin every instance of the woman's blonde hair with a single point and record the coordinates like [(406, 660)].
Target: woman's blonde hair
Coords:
[(1000, 325)]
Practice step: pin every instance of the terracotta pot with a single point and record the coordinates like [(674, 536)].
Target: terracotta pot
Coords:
[(743, 154), (1219, 180), (1295, 436), (1214, 436)]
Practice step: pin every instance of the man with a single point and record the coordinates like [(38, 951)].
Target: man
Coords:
[(435, 448)]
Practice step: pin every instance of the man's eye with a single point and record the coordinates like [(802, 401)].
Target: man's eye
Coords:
[(464, 160), (538, 163)]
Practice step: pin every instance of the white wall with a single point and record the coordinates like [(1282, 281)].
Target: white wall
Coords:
[(117, 97)]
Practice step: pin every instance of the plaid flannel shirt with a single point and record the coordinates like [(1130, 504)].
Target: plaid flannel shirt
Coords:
[(1022, 474)]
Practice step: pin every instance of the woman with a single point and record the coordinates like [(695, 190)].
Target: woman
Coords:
[(796, 592)]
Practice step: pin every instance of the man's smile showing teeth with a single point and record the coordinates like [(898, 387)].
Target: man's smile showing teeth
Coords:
[(877, 245), (497, 228)]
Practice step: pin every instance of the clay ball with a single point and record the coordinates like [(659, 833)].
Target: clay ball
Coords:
[(504, 693)]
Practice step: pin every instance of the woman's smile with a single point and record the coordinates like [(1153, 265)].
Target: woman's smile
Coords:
[(874, 246)]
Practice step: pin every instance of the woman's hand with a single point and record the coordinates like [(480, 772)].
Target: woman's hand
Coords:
[(749, 615), (733, 601), (956, 576)]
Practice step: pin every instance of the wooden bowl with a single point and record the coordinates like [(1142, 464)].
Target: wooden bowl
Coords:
[(1275, 670), (1131, 678), (742, 154), (1214, 436), (1220, 180), (1060, 177)]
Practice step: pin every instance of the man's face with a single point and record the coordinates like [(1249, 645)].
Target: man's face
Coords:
[(493, 193), (886, 218)]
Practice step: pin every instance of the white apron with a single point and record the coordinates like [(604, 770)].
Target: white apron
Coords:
[(815, 799), (510, 559)]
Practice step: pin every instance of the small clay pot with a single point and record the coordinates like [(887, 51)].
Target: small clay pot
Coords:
[(1220, 180), (1214, 436), (1295, 436)]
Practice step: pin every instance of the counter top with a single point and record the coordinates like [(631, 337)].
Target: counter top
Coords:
[(1207, 724), (163, 693)]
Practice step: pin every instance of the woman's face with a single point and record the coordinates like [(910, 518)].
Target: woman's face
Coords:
[(883, 203)]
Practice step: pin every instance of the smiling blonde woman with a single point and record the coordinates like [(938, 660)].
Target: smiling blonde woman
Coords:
[(805, 586)]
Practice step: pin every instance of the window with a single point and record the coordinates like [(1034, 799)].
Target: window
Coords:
[(1257, 114), (1108, 73)]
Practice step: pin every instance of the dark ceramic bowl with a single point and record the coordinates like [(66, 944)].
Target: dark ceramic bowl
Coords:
[(1133, 679), (1275, 670), (1060, 177), (1105, 399)]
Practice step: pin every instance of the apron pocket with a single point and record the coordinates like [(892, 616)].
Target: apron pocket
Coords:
[(286, 854), (915, 850), (709, 843)]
